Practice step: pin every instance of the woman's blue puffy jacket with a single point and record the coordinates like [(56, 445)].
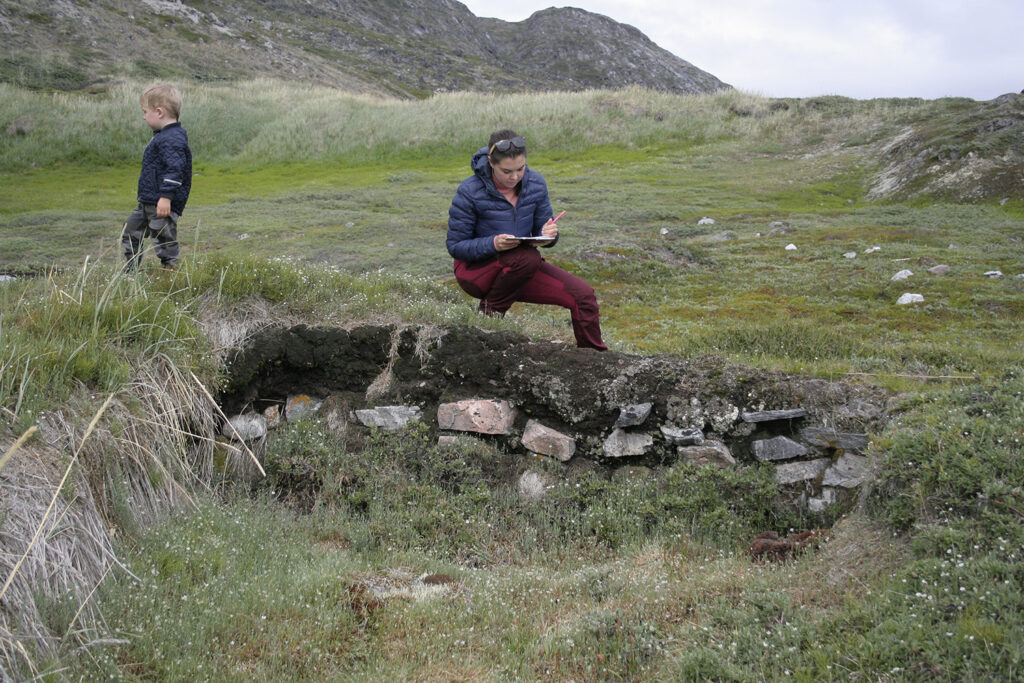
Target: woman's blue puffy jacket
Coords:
[(479, 212)]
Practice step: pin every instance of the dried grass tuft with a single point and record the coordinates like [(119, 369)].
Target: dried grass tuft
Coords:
[(229, 328), (144, 453), (54, 545)]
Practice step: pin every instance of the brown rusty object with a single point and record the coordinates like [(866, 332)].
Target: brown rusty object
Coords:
[(770, 546)]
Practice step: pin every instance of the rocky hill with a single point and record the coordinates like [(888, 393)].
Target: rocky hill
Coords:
[(974, 152), (406, 48)]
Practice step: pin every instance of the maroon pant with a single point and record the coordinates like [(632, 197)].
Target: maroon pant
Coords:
[(521, 274)]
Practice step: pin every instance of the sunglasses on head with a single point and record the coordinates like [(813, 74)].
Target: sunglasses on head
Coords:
[(516, 143)]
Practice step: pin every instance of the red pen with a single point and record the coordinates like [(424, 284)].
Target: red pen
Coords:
[(555, 219)]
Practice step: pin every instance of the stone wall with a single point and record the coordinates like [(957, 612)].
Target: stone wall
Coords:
[(566, 403)]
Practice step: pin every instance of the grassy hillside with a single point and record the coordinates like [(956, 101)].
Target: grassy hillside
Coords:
[(361, 184), (327, 207)]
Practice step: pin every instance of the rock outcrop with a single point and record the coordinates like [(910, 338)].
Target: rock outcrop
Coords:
[(408, 48), (974, 156)]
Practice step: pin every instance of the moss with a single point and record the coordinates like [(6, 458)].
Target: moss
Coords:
[(39, 18)]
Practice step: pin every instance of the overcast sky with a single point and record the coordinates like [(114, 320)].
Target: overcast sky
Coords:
[(803, 48)]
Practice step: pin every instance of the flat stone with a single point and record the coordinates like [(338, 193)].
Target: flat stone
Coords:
[(709, 453), (682, 437), (941, 269), (909, 298), (481, 416), (621, 444), (299, 406), (389, 418), (633, 415), (772, 415), (847, 472), (778, 448), (247, 427), (804, 470), (546, 441), (820, 437)]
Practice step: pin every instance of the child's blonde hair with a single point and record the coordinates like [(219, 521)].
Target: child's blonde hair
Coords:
[(163, 95)]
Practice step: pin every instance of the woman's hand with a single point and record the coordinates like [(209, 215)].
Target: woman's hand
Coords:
[(505, 242), (550, 229)]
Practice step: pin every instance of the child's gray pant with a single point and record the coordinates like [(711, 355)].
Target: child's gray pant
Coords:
[(143, 222)]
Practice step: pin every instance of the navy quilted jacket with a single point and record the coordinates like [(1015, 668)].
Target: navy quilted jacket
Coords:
[(479, 212), (167, 168)]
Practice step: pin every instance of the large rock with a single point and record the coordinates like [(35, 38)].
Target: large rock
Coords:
[(830, 439), (272, 414), (247, 427), (546, 441), (477, 415), (848, 472), (300, 406), (633, 415), (621, 444), (804, 470), (709, 453), (778, 448), (910, 298), (682, 437), (389, 418), (902, 275)]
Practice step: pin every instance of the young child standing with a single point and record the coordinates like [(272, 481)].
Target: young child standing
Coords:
[(164, 182)]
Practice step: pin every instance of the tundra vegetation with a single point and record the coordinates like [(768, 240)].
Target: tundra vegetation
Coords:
[(313, 205)]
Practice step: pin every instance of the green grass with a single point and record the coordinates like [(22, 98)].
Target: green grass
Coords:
[(641, 578), (339, 217)]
